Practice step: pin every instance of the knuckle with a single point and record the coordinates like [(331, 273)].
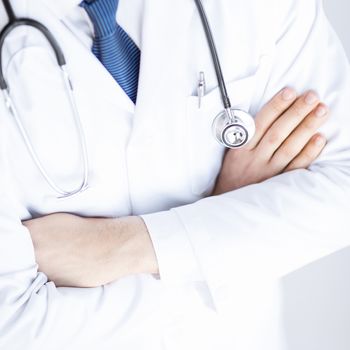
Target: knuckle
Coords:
[(309, 125), (298, 111), (307, 157), (273, 138), (275, 106), (319, 143)]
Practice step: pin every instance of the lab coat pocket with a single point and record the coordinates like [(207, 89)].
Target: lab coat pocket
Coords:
[(204, 154)]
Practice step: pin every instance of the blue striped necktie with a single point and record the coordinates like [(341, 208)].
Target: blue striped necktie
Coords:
[(112, 45)]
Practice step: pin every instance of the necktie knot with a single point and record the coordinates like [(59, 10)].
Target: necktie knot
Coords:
[(103, 15)]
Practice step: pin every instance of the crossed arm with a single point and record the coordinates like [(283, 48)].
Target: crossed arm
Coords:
[(89, 252)]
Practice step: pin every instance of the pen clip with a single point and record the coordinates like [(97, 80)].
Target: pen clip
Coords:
[(201, 89)]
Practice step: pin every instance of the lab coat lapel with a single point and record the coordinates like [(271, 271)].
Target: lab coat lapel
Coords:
[(163, 30)]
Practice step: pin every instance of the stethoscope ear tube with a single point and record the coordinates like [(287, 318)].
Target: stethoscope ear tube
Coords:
[(9, 10), (61, 61), (14, 23)]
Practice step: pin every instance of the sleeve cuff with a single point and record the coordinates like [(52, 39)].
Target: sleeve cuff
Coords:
[(175, 255)]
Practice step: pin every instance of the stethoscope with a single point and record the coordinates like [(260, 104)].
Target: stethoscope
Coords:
[(233, 128), (15, 22)]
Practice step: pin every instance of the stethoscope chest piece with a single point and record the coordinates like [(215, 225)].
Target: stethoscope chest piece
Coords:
[(233, 128)]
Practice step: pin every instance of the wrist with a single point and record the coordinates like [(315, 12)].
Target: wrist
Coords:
[(134, 253)]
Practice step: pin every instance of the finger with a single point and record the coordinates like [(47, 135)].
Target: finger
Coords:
[(271, 111), (285, 125), (309, 154), (296, 142)]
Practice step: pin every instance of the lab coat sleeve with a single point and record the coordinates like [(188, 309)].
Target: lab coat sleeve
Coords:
[(35, 315), (266, 231)]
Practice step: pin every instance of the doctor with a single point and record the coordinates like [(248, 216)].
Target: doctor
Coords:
[(220, 258)]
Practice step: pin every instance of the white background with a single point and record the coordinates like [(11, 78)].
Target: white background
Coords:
[(339, 14)]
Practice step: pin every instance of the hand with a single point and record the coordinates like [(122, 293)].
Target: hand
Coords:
[(82, 252), (285, 140)]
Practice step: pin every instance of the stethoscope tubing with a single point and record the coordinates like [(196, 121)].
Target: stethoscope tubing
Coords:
[(15, 23), (214, 54), (229, 114), (61, 61)]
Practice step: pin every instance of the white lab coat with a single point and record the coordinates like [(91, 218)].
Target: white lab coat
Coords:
[(222, 259)]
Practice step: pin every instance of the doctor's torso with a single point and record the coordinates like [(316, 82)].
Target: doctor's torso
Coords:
[(144, 158)]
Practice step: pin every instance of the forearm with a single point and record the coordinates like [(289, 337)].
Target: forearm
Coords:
[(34, 314), (89, 252)]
